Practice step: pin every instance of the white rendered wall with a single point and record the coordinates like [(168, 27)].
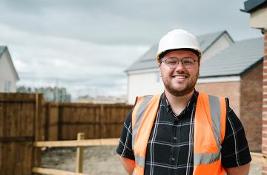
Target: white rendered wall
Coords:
[(222, 43), (7, 74), (145, 83), (258, 18)]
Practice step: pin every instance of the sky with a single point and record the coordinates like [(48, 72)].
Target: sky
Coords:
[(86, 45)]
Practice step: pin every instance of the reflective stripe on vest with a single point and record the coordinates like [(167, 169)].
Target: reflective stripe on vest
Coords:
[(209, 130), (142, 122), (139, 113)]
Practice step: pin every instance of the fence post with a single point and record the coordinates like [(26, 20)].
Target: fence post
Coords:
[(38, 130), (79, 155)]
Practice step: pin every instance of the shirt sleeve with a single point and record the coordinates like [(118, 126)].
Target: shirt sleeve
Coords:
[(124, 148), (235, 151)]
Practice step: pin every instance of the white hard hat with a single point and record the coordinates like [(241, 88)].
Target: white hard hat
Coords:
[(178, 39)]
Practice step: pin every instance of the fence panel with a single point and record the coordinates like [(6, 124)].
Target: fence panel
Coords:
[(51, 121), (95, 120), (19, 127), (25, 118), (112, 120)]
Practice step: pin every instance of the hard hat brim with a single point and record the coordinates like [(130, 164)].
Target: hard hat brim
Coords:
[(162, 54)]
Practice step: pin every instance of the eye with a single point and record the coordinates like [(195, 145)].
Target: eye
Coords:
[(188, 61), (171, 61)]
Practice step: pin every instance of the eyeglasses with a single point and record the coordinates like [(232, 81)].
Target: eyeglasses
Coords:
[(172, 62)]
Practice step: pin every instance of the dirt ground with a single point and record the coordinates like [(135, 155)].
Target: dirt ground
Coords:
[(102, 160)]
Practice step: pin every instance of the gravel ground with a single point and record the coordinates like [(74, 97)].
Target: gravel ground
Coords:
[(102, 160)]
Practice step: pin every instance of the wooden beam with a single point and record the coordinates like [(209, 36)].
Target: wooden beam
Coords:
[(79, 155), (79, 143), (53, 171)]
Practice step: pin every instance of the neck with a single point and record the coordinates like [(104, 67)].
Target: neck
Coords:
[(178, 103)]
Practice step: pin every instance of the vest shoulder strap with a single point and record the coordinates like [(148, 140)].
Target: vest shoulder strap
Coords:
[(143, 117), (210, 121)]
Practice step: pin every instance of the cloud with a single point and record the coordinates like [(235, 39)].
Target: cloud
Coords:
[(113, 22), (48, 60), (86, 45)]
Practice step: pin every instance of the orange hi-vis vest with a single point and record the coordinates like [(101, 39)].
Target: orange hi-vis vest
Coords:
[(209, 132)]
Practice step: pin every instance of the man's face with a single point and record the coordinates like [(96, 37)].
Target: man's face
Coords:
[(179, 79)]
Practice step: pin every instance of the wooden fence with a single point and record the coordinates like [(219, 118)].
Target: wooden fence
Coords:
[(65, 120), (79, 144), (20, 126), (26, 118)]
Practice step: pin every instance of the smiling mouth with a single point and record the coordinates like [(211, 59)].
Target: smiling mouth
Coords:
[(180, 76)]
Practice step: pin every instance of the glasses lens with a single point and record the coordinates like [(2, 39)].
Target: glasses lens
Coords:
[(188, 61), (172, 62)]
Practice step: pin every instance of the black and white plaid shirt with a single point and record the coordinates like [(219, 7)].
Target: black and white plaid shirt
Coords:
[(170, 145)]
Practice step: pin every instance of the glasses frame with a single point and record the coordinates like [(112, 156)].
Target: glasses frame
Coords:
[(178, 61)]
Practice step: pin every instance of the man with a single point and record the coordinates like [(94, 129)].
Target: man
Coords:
[(182, 131)]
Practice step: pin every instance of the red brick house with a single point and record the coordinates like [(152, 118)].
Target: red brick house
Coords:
[(236, 73), (258, 15)]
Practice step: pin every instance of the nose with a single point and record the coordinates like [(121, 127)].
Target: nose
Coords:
[(179, 66)]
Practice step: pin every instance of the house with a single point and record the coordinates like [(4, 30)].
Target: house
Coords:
[(236, 73), (8, 73), (143, 75), (258, 15)]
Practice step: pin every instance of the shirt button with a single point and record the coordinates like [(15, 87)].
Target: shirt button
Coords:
[(172, 159), (174, 138)]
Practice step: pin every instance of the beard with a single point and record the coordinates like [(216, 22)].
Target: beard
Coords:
[(190, 86), (179, 93)]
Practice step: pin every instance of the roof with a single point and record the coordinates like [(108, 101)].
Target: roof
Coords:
[(207, 40), (234, 60), (148, 60), (2, 50), (251, 5)]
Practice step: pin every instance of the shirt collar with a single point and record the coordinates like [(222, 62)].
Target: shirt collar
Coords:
[(190, 104)]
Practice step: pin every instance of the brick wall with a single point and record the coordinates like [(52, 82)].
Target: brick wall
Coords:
[(251, 105), (225, 89), (264, 106), (245, 99)]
